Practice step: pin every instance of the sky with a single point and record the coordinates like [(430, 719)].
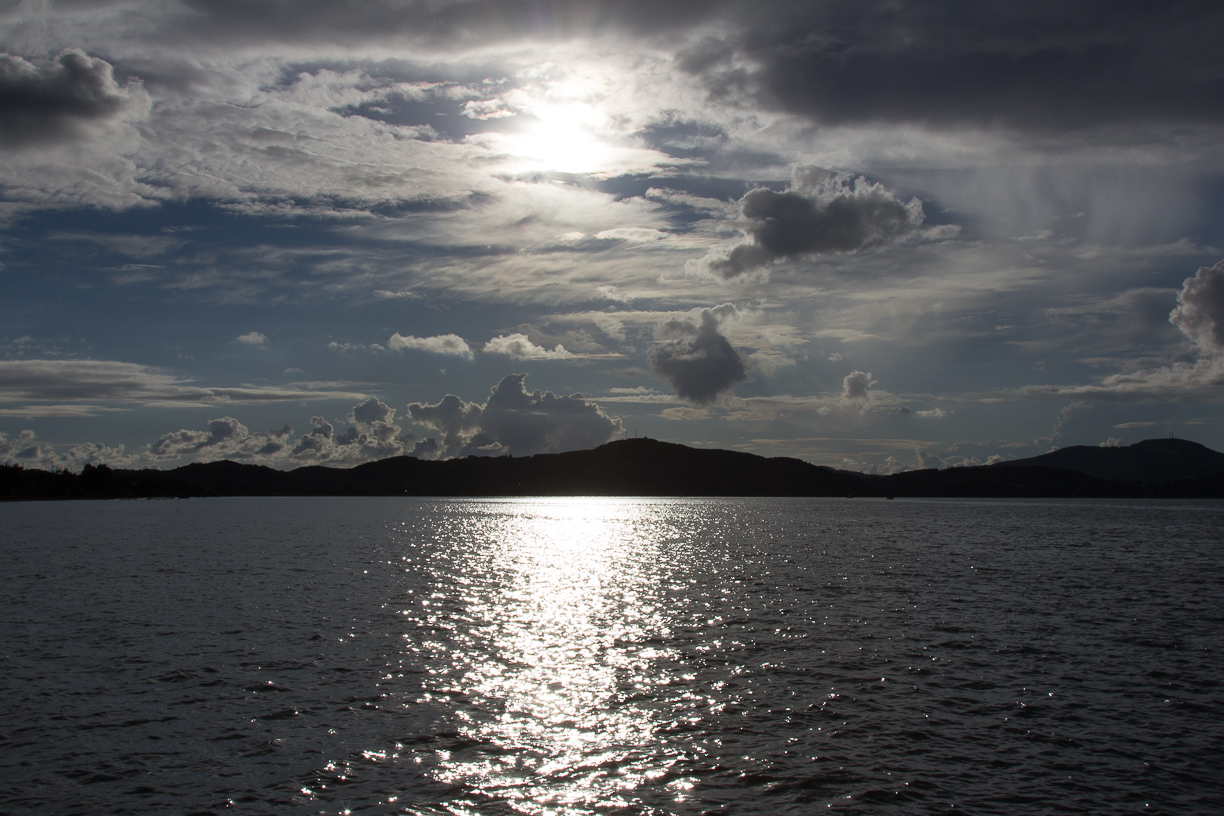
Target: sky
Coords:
[(871, 235)]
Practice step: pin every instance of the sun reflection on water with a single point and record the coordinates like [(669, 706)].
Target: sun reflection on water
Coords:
[(555, 654)]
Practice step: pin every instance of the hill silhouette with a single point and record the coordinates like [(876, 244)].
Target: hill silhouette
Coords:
[(1168, 468), (1152, 460)]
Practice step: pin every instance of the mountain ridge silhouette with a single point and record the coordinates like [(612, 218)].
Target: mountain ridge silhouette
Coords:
[(1164, 468)]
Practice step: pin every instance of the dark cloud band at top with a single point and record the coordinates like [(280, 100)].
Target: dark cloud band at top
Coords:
[(1021, 65)]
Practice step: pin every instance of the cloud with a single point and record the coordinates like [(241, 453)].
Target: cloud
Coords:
[(697, 360), (632, 235), (450, 416), (856, 385), (384, 294), (251, 339), (519, 346), (59, 101), (1199, 316), (822, 213), (440, 344), (684, 414), (25, 450), (225, 436), (544, 422), (75, 381), (518, 422), (1200, 309), (372, 435), (1031, 67)]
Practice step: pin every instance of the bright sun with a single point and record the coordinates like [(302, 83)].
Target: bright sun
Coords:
[(564, 138)]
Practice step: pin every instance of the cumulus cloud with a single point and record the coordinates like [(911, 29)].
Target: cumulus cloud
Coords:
[(518, 345), (1199, 315), (1200, 309), (451, 416), (696, 359), (42, 104), (439, 344), (372, 435), (856, 387), (225, 436), (25, 450), (822, 213), (251, 339), (516, 421)]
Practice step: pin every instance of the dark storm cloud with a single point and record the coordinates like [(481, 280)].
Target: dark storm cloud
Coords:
[(56, 102), (821, 213), (516, 421), (1032, 65), (543, 422), (698, 361)]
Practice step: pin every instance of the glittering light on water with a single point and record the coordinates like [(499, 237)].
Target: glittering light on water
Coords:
[(558, 654)]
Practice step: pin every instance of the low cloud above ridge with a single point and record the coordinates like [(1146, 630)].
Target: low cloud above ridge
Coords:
[(516, 421)]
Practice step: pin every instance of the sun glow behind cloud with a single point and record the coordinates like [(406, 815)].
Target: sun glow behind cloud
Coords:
[(566, 132)]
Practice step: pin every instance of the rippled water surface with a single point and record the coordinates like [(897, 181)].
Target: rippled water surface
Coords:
[(572, 656)]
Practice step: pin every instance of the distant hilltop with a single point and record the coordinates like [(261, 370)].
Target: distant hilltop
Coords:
[(1159, 468)]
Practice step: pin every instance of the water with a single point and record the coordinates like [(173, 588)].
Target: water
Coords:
[(572, 656)]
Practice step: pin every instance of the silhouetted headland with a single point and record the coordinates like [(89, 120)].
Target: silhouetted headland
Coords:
[(1156, 468)]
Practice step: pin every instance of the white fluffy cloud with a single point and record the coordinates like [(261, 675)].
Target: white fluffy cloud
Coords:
[(439, 344), (518, 345), (1200, 309)]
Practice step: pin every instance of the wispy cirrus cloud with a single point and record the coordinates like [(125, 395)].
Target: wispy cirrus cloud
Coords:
[(110, 381)]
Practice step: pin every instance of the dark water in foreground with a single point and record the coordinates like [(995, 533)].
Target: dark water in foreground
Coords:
[(295, 656)]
